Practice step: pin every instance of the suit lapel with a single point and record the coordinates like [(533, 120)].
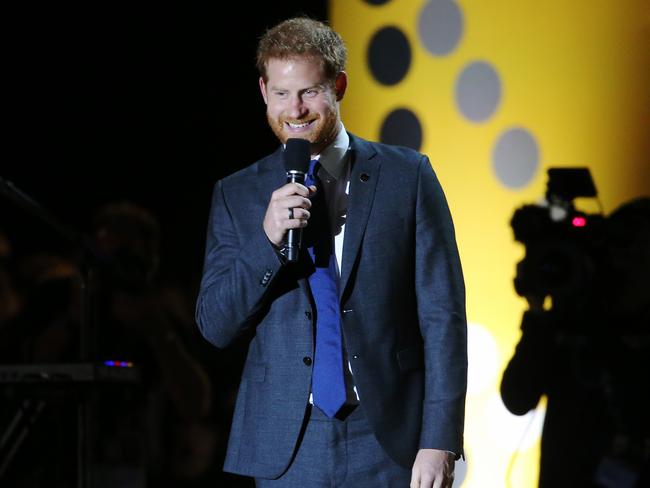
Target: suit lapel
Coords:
[(363, 182), (270, 176)]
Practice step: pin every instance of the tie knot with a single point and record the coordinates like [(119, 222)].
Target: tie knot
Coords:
[(312, 175), (314, 165)]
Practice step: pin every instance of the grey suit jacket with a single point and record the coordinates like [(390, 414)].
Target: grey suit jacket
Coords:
[(402, 305)]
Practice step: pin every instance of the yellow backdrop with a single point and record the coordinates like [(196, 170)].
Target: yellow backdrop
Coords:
[(504, 89)]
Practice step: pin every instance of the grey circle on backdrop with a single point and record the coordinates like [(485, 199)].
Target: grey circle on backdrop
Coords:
[(478, 91), (440, 26), (515, 157), (402, 128), (389, 55)]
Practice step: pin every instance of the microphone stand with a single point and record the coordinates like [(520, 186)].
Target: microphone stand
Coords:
[(72, 237), (89, 258)]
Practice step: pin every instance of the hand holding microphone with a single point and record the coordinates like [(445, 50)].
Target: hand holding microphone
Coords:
[(288, 210)]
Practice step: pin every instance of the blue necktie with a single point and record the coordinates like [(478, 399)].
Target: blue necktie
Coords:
[(328, 382)]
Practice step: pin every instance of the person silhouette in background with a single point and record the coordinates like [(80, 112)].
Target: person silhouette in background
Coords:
[(38, 424), (10, 299), (159, 432), (590, 356)]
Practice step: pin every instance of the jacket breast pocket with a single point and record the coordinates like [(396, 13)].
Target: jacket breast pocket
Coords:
[(411, 358), (393, 229)]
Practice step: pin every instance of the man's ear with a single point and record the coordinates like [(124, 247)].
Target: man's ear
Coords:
[(263, 90), (341, 84)]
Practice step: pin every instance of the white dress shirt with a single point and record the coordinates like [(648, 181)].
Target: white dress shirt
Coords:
[(335, 181)]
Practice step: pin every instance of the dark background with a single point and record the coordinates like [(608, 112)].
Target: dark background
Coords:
[(107, 102)]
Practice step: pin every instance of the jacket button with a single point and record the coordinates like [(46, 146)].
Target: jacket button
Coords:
[(307, 360), (308, 315)]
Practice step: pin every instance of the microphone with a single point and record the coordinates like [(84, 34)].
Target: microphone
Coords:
[(297, 153)]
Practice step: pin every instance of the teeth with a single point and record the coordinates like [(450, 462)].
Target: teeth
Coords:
[(298, 126)]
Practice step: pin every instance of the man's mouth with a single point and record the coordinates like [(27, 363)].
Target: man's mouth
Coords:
[(298, 125)]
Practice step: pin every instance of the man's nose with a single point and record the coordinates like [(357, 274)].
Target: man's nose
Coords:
[(297, 108)]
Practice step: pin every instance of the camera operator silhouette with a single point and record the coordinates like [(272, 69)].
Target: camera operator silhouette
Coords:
[(589, 352)]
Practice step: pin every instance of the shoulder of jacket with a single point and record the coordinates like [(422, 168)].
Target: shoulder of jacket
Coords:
[(400, 155), (244, 175)]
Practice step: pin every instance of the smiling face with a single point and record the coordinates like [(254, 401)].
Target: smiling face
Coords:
[(301, 102)]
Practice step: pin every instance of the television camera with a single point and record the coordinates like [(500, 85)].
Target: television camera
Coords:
[(564, 245)]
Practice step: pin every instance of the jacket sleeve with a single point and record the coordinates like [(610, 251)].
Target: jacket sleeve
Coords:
[(237, 274), (441, 313)]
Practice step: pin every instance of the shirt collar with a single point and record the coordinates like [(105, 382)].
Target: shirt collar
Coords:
[(335, 156)]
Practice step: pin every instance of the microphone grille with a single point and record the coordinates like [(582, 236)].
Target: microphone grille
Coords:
[(297, 153)]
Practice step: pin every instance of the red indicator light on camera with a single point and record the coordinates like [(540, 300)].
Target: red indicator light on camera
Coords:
[(579, 222)]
